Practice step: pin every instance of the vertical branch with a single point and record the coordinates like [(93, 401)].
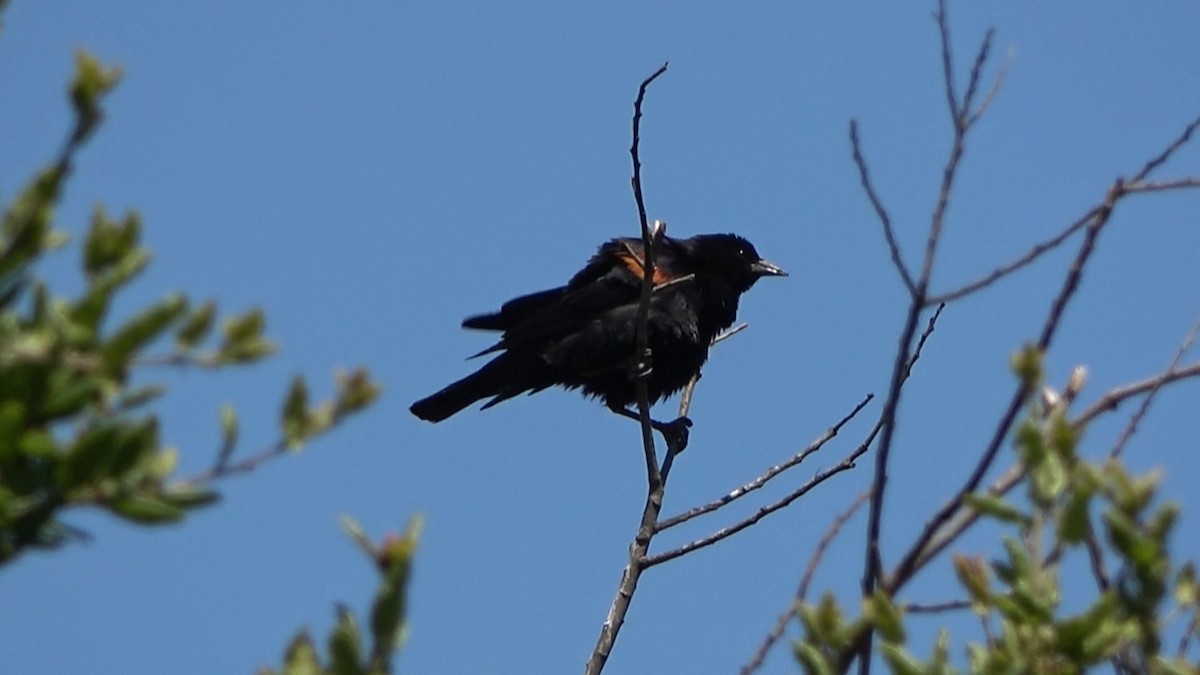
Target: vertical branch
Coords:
[(641, 543), (959, 112)]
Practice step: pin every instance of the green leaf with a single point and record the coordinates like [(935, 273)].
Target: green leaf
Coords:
[(107, 450), (886, 617), (812, 659), (296, 420), (390, 605), (190, 496), (973, 575), (197, 326), (108, 242), (247, 351), (26, 231), (996, 507), (38, 443), (345, 645), (355, 392), (1185, 585), (159, 465), (136, 397), (68, 392), (140, 330), (241, 328), (90, 309), (146, 509), (1027, 365), (301, 657), (1047, 481), (1073, 524), (900, 661), (92, 82), (229, 427), (1088, 637)]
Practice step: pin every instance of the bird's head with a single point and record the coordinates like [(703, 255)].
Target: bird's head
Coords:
[(733, 258)]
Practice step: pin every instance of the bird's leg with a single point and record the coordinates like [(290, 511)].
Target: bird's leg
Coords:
[(675, 432)]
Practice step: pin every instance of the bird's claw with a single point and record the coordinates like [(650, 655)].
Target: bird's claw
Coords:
[(675, 433)]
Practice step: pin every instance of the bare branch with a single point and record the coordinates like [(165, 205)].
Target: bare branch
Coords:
[(742, 491), (835, 527), (224, 467), (685, 398), (976, 75), (1162, 186), (1052, 243), (889, 232), (935, 607), (1136, 419), (991, 95), (1166, 154), (1032, 255), (1115, 397), (724, 533), (900, 373), (653, 506), (947, 60)]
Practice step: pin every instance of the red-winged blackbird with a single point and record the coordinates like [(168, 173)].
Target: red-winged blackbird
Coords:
[(582, 335)]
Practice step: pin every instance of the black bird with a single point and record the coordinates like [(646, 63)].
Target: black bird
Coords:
[(582, 335)]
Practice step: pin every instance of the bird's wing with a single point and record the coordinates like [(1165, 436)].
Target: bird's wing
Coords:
[(610, 280), (608, 340)]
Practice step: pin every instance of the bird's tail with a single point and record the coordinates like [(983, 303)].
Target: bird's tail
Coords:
[(495, 380)]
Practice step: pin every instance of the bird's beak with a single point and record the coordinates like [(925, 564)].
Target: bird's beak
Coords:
[(765, 268)]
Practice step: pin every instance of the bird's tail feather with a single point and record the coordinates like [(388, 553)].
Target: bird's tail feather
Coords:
[(494, 380)]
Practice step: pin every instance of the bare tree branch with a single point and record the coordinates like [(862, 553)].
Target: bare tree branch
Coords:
[(634, 567), (1166, 154), (935, 607), (1136, 419), (1008, 268), (991, 95), (765, 477), (835, 527), (845, 465), (889, 232), (1115, 397)]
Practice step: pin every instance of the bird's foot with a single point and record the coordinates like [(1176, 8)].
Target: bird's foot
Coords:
[(675, 433)]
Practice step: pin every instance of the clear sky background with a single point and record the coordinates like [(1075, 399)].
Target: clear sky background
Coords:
[(371, 173)]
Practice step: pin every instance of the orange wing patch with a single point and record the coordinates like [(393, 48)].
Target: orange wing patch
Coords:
[(634, 264)]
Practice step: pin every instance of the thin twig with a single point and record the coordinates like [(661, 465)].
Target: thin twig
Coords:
[(1136, 418), (947, 60), (889, 233), (814, 560), (995, 89), (653, 506), (935, 607), (981, 57), (1035, 252), (1186, 639), (1006, 269), (845, 465), (766, 476), (1096, 559), (226, 468), (900, 373), (1162, 158), (685, 398), (210, 361), (1162, 185), (959, 112), (1115, 397)]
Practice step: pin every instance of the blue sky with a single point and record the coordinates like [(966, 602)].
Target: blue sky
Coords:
[(371, 173)]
